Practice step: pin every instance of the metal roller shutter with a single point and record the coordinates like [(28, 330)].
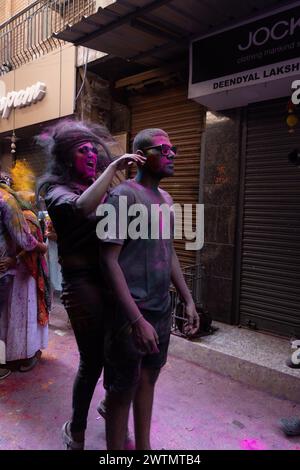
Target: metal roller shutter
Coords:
[(183, 119), (270, 270)]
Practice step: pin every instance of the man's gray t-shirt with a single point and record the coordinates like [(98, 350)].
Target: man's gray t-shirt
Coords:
[(146, 263)]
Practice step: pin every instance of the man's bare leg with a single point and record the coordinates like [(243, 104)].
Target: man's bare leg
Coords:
[(142, 407), (116, 420)]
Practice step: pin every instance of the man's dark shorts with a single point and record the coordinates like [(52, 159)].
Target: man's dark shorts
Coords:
[(123, 360)]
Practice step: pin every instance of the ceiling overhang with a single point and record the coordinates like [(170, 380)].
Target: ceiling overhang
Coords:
[(157, 32)]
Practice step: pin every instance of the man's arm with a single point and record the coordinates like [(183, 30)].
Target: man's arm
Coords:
[(180, 284), (144, 333)]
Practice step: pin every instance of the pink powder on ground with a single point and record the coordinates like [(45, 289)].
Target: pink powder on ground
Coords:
[(252, 444)]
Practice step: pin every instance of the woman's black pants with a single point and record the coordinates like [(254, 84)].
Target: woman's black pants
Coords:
[(84, 303)]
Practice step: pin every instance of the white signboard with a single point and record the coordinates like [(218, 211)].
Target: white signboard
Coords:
[(21, 98), (265, 74), (252, 61)]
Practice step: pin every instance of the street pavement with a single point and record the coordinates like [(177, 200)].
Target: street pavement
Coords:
[(194, 407)]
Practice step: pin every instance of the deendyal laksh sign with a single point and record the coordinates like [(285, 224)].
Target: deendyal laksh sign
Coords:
[(257, 52)]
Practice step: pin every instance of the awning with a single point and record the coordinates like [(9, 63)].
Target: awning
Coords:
[(155, 32)]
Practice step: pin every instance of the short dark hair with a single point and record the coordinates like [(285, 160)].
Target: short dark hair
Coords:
[(144, 138)]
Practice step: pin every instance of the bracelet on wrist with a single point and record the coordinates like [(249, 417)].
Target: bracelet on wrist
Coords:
[(137, 319)]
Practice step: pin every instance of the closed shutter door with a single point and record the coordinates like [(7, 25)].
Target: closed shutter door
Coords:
[(270, 271), (183, 120)]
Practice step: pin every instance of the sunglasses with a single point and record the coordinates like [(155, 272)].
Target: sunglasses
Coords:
[(85, 150), (164, 149)]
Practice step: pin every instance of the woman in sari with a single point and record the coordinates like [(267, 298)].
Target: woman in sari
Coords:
[(15, 237), (27, 330)]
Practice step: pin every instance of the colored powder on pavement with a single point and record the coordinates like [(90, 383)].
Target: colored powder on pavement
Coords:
[(252, 444)]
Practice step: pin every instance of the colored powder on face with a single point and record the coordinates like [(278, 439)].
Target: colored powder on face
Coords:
[(252, 444), (83, 170)]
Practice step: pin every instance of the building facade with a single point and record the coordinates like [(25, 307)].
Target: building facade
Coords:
[(30, 56), (220, 82)]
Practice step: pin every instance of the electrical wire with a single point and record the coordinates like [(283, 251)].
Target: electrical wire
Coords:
[(84, 75)]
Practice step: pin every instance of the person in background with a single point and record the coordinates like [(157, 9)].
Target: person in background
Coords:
[(53, 263), (27, 332), (15, 236)]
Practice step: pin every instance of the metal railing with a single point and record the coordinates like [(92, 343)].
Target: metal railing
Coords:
[(195, 278), (28, 34)]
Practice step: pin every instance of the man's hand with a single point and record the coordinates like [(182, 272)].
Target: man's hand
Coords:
[(192, 322), (145, 336), (6, 264)]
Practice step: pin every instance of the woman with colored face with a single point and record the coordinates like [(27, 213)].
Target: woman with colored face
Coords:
[(85, 161), (78, 152)]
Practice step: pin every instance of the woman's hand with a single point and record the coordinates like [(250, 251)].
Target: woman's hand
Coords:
[(6, 264), (126, 160)]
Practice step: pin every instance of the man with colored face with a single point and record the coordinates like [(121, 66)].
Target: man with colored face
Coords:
[(140, 271), (160, 157)]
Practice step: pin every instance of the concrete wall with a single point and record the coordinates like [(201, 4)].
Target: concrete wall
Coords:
[(9, 8), (220, 194), (97, 104)]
